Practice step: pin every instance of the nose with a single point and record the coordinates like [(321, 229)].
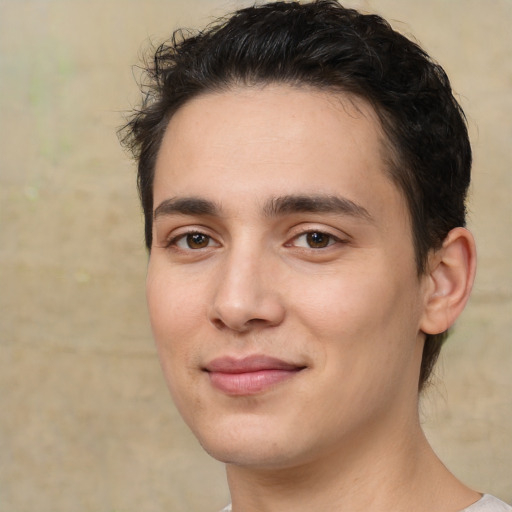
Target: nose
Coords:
[(246, 295)]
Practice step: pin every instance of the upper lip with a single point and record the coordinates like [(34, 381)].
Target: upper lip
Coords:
[(248, 364)]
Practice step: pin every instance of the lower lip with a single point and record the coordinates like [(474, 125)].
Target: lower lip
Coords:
[(249, 383)]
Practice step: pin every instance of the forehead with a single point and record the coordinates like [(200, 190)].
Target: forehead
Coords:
[(274, 140)]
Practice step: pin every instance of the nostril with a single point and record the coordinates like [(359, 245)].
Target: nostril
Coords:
[(238, 323), (235, 326), (218, 323)]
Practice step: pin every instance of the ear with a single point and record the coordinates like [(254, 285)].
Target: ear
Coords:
[(449, 281)]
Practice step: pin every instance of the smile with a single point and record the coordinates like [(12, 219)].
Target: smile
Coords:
[(250, 375)]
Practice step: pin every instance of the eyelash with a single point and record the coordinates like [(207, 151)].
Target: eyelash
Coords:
[(331, 240), (173, 242)]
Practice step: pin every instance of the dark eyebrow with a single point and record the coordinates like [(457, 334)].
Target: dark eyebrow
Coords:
[(275, 207), (186, 206), (315, 204)]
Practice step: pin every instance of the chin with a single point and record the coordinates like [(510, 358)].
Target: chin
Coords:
[(256, 457), (243, 450), (249, 446)]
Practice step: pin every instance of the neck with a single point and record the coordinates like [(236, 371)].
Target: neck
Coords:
[(395, 472)]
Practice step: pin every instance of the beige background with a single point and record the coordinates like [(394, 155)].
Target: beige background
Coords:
[(86, 423)]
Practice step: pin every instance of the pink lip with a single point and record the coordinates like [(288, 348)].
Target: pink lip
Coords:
[(249, 375)]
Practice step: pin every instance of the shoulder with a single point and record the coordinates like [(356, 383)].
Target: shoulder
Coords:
[(488, 503)]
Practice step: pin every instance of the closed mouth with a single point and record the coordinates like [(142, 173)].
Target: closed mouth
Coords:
[(249, 375)]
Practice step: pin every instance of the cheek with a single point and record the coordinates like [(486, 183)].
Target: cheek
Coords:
[(366, 333), (342, 301), (364, 307), (175, 308), (174, 314)]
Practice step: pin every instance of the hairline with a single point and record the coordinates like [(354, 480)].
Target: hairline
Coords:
[(388, 149)]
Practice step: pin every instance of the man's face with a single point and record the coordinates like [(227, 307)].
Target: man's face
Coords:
[(282, 285)]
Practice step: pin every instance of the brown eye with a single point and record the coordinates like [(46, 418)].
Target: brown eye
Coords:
[(193, 241), (197, 240), (317, 240), (314, 240)]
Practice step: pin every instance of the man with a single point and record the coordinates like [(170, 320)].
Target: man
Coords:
[(303, 171)]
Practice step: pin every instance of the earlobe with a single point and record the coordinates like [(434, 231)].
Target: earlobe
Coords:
[(450, 279)]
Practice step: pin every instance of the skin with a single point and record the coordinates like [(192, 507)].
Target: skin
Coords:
[(278, 234)]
